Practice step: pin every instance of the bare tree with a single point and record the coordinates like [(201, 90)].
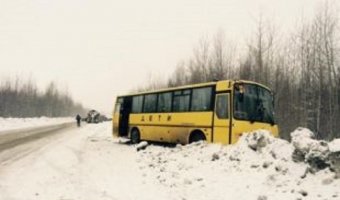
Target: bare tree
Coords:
[(222, 57), (21, 98), (301, 67)]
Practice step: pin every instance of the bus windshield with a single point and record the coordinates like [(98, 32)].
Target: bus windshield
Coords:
[(253, 103)]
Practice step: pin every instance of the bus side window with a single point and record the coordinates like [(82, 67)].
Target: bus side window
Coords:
[(222, 106), (201, 99), (164, 102), (150, 103), (137, 104), (181, 100)]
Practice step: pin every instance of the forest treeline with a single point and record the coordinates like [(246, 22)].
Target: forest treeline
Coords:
[(301, 66), (20, 98)]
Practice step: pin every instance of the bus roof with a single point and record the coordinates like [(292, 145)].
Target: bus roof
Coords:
[(193, 86)]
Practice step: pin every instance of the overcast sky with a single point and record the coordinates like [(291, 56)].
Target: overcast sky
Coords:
[(102, 48)]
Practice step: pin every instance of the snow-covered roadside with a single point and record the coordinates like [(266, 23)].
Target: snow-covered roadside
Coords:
[(84, 164), (7, 124), (87, 163), (257, 167)]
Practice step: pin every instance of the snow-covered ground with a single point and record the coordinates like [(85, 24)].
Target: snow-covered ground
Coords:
[(7, 124), (87, 163), (257, 167), (81, 163)]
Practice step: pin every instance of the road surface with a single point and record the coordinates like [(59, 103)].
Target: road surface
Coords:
[(75, 163), (16, 143)]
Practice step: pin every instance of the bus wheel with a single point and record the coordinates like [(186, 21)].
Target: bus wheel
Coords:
[(196, 136), (135, 136)]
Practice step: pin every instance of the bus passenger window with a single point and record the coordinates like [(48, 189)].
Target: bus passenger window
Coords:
[(137, 104), (150, 103), (181, 101), (164, 102), (201, 99), (222, 106)]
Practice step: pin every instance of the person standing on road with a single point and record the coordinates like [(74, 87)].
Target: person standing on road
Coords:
[(78, 118)]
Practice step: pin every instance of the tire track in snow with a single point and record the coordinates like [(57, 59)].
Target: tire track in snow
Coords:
[(13, 149)]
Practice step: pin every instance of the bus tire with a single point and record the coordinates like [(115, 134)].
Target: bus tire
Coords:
[(196, 136), (135, 136)]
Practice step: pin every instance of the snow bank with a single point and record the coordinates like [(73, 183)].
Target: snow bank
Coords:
[(7, 124), (318, 154), (334, 146), (259, 166), (334, 156)]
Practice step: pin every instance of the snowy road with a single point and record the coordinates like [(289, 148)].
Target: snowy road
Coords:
[(12, 138), (82, 163), (87, 163)]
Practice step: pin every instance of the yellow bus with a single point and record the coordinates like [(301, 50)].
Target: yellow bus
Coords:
[(218, 112)]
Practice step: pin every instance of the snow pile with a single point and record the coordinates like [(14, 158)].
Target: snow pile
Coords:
[(314, 152), (258, 166), (318, 154), (7, 124), (334, 146), (334, 156)]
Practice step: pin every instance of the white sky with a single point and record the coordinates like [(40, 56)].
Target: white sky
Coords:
[(100, 49)]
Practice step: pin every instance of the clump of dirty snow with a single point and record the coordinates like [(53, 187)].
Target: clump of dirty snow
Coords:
[(318, 154), (334, 156), (141, 146), (257, 140), (334, 146), (258, 165)]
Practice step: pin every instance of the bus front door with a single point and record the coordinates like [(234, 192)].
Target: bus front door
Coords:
[(222, 119)]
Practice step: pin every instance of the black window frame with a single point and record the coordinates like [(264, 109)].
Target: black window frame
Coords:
[(212, 95), (144, 103), (141, 111), (175, 93), (181, 93), (171, 97)]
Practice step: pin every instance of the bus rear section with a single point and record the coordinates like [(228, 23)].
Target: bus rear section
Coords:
[(120, 119)]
